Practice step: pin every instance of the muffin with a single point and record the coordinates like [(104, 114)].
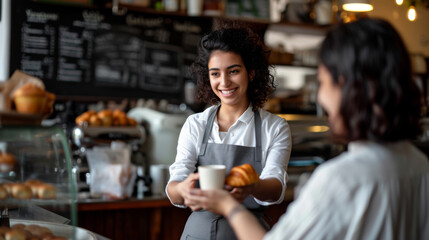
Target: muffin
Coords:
[(30, 99)]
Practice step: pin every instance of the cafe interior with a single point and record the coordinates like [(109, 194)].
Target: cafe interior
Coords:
[(112, 76)]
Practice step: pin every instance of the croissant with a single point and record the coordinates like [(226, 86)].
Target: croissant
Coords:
[(242, 175)]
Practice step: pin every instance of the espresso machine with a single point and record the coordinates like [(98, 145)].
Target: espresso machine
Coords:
[(85, 137)]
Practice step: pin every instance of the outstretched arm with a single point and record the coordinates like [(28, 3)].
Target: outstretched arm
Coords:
[(179, 192)]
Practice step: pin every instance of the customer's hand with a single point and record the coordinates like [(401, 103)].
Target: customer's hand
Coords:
[(217, 201), (185, 189)]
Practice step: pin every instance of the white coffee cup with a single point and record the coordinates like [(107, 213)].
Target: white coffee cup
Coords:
[(212, 176), (195, 7)]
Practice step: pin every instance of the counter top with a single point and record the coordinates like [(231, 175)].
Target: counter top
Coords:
[(104, 204), (146, 202)]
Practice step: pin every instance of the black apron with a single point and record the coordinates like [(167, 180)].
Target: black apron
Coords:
[(209, 226)]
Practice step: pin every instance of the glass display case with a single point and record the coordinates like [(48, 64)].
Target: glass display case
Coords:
[(39, 156)]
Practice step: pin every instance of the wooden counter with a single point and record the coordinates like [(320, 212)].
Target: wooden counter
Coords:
[(153, 218)]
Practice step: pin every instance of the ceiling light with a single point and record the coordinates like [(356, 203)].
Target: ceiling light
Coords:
[(357, 6), (412, 14)]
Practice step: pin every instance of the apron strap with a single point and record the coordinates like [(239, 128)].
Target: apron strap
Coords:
[(207, 131), (258, 148), (213, 228)]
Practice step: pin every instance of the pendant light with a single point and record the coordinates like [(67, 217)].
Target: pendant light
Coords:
[(411, 13), (357, 5)]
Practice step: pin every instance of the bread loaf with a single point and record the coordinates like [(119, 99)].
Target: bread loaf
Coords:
[(21, 191), (15, 235), (3, 193), (41, 189), (46, 191), (242, 175)]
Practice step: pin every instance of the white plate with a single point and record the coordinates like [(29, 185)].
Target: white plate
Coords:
[(63, 230)]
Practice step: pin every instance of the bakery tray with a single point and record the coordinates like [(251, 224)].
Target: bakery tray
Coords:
[(67, 231)]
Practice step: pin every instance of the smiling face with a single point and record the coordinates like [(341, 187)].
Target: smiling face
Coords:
[(229, 78), (329, 97)]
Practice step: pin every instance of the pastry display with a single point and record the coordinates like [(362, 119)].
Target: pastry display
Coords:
[(29, 189), (33, 99), (242, 175), (7, 162), (105, 118), (26, 232)]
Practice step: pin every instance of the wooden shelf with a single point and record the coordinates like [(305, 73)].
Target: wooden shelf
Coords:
[(309, 27)]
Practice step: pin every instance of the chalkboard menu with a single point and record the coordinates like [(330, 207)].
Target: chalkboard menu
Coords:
[(89, 52)]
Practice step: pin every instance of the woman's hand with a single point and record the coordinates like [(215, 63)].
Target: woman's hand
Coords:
[(241, 193), (184, 188), (217, 201)]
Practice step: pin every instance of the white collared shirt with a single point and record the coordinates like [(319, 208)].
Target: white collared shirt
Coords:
[(373, 191), (275, 138)]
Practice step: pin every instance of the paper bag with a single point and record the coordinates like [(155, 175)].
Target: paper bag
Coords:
[(111, 173)]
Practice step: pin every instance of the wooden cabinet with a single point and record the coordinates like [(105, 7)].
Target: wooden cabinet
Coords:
[(150, 218)]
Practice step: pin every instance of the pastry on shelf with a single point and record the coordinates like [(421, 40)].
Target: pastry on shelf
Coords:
[(242, 175), (105, 118), (7, 162), (3, 193), (28, 231), (33, 99), (20, 191), (15, 234), (41, 189), (28, 190)]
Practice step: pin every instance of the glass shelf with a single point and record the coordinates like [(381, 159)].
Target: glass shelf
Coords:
[(41, 153)]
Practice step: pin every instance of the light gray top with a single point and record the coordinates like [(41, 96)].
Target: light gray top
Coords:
[(372, 191)]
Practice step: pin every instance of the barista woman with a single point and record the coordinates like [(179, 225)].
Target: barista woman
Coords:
[(232, 73)]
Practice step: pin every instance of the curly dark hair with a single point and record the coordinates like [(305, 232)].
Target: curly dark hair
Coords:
[(243, 41), (380, 99)]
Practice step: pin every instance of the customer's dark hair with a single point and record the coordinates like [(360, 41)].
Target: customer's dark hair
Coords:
[(380, 99), (237, 38)]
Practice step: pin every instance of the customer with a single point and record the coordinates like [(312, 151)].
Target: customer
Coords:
[(379, 188), (232, 72)]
